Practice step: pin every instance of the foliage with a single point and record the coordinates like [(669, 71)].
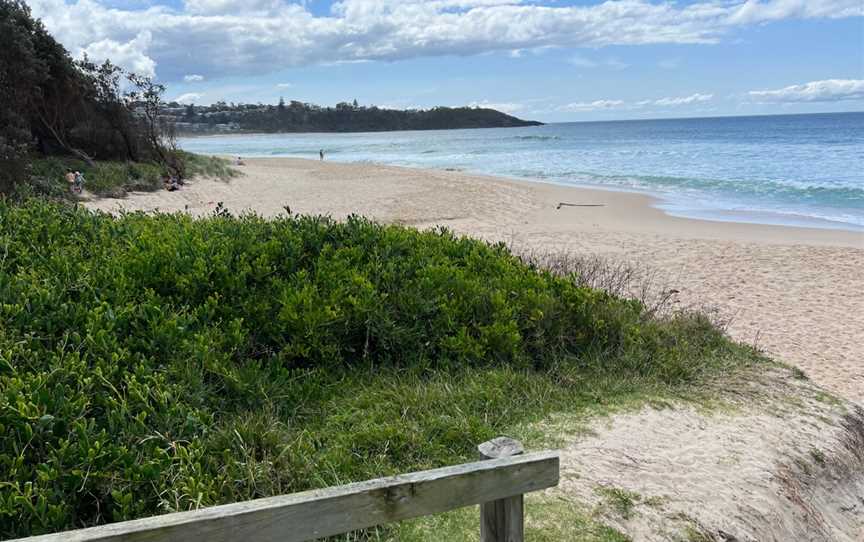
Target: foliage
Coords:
[(20, 70), (102, 178), (620, 500), (114, 179), (547, 519), (197, 165), (159, 363), (345, 117)]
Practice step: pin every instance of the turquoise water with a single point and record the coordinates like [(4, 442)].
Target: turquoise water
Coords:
[(805, 170)]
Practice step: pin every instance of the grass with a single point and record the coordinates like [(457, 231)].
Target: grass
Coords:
[(198, 165), (818, 456), (798, 374), (151, 364), (547, 519), (115, 179), (621, 501)]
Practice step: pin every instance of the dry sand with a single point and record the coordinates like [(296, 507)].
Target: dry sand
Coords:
[(784, 466), (798, 293)]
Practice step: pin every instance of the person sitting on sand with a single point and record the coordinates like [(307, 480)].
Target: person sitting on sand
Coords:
[(239, 162), (170, 183)]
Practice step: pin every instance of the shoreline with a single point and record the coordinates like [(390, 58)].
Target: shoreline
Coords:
[(657, 202), (794, 292), (668, 203), (647, 216)]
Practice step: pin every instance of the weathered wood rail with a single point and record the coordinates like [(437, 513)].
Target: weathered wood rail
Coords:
[(497, 484)]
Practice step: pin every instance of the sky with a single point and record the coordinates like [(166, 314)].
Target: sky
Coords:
[(553, 60)]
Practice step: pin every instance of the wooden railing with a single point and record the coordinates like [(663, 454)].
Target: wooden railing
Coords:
[(497, 483)]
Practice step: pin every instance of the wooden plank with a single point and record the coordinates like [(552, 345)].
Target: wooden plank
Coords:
[(336, 510)]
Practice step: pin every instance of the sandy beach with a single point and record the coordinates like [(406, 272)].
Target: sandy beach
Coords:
[(797, 293)]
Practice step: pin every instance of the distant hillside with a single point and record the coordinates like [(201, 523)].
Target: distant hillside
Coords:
[(345, 117)]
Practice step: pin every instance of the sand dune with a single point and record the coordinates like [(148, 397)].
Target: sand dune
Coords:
[(798, 293)]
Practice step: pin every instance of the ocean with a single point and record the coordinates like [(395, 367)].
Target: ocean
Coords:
[(802, 170)]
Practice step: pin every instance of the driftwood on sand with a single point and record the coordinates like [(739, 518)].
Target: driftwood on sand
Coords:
[(565, 204)]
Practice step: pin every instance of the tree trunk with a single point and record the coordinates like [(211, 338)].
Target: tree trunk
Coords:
[(62, 141)]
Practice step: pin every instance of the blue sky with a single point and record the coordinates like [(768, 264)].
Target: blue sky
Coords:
[(550, 61)]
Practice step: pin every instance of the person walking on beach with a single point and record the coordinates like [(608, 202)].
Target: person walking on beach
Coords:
[(321, 154)]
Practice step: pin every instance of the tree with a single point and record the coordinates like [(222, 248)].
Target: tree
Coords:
[(20, 71), (158, 132), (58, 102), (110, 102)]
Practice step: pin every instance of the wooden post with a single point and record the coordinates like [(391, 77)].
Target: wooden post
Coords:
[(502, 520)]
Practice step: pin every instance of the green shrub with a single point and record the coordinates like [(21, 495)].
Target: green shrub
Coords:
[(160, 363), (114, 179), (198, 165)]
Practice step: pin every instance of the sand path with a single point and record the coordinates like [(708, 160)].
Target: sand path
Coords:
[(798, 293), (785, 465)]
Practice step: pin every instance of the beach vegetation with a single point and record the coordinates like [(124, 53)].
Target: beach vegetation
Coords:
[(818, 456), (798, 374), (115, 178), (157, 363), (547, 519), (621, 501)]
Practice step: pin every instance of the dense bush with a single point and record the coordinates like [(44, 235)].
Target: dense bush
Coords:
[(159, 363)]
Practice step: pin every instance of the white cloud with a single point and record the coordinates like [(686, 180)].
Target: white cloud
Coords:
[(829, 90), (285, 85), (219, 37), (596, 105), (504, 107), (193, 78), (584, 62), (692, 99), (131, 55), (599, 105), (756, 11), (189, 97), (228, 7)]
